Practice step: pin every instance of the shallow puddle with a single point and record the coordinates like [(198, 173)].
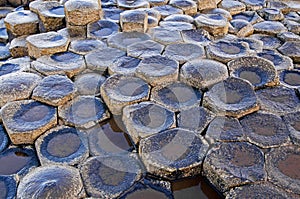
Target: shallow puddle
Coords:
[(13, 162)]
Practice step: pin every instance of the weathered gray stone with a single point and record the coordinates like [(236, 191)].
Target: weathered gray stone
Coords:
[(176, 96), (8, 185), (225, 129), (197, 36), (258, 71), (101, 59), (167, 10), (3, 139), (184, 52), (157, 70), (124, 39), (17, 86), (256, 46), (126, 170), (278, 100), (269, 27), (51, 181), (112, 14), (83, 111), (250, 16), (67, 63), (282, 166), (180, 18), (225, 51), (15, 65), (206, 4), (165, 36), (241, 28), (271, 14), (84, 46), (18, 47), (280, 62), (124, 65), (292, 121), (147, 118), (265, 130), (231, 164), (125, 4), (203, 73), (173, 154), (195, 119), (232, 6), (88, 83), (213, 23), (121, 90), (4, 51), (176, 26), (134, 20), (46, 44), (102, 29), (254, 4), (269, 42), (291, 49), (21, 23), (144, 49), (54, 90), (82, 12), (290, 78), (62, 145), (20, 161), (26, 120), (189, 7), (232, 97)]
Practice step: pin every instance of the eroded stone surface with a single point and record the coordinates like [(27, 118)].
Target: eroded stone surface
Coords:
[(291, 49), (232, 97), (147, 118), (62, 145), (292, 121), (144, 49), (51, 181), (280, 62), (101, 29), (84, 46), (8, 186), (233, 164), (281, 164), (177, 153), (115, 174), (176, 96), (213, 23), (88, 83), (83, 111)]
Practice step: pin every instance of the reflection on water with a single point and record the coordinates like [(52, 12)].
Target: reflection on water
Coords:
[(13, 162)]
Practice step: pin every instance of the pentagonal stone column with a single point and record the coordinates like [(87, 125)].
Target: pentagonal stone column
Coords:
[(173, 154), (26, 120)]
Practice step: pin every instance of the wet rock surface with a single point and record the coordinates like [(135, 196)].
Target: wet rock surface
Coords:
[(209, 88)]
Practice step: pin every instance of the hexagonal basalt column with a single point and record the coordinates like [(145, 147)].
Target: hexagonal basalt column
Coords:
[(203, 73), (134, 20), (291, 49), (293, 120), (184, 52), (269, 27), (206, 4), (54, 90), (9, 186), (132, 5), (82, 12), (51, 16), (114, 175), (232, 97), (21, 23), (225, 51), (144, 49), (173, 154), (147, 118), (89, 83), (18, 47), (17, 86), (280, 62), (62, 145), (176, 96), (26, 120), (266, 189), (282, 165), (51, 181), (20, 161), (157, 70), (83, 112), (125, 65), (290, 78), (60, 63), (265, 130), (278, 100), (46, 44), (224, 129), (119, 90), (84, 46), (233, 164), (213, 23), (258, 71), (101, 29)]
